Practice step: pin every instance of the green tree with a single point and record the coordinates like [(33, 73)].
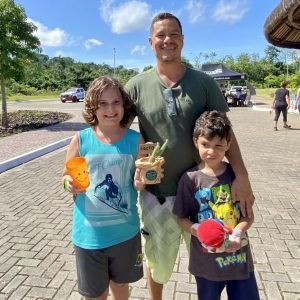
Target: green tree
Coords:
[(186, 62), (272, 54), (17, 46), (147, 68)]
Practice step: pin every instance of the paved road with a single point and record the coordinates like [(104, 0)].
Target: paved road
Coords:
[(29, 141), (36, 256)]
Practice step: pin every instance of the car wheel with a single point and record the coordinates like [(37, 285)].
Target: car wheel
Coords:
[(75, 99), (63, 101)]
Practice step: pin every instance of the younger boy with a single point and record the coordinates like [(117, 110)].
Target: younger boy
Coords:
[(203, 193)]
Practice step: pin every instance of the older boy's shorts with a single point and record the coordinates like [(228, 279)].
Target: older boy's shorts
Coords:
[(121, 263), (162, 236)]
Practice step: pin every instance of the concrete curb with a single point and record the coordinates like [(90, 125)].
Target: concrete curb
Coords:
[(21, 159), (269, 108)]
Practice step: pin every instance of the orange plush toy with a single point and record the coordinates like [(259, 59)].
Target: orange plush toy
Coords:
[(213, 235), (78, 170)]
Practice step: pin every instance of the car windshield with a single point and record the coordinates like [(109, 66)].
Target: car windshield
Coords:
[(236, 88), (71, 90)]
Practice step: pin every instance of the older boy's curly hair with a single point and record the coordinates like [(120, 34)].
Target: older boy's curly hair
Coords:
[(93, 96), (212, 123)]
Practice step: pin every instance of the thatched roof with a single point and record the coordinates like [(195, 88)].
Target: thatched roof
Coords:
[(282, 27)]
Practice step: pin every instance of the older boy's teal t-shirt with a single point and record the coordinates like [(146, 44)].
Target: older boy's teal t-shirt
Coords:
[(106, 214)]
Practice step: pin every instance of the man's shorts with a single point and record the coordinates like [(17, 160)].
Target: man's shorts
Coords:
[(162, 235), (121, 263)]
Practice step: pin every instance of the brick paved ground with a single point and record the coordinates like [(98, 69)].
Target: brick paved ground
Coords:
[(36, 256)]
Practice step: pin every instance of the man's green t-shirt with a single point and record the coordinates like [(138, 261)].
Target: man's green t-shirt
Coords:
[(193, 94)]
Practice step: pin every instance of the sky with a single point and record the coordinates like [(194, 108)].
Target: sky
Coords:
[(116, 32)]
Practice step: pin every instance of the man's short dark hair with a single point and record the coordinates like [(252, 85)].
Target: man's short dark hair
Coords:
[(164, 16)]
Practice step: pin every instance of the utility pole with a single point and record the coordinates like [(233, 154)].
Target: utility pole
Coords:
[(114, 49)]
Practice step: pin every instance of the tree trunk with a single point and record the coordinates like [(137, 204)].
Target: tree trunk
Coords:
[(4, 106)]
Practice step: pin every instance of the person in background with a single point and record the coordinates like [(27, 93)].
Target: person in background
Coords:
[(106, 230), (281, 104), (297, 103), (204, 193), (169, 98)]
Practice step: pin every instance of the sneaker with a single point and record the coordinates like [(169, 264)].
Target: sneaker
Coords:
[(287, 126), (275, 129)]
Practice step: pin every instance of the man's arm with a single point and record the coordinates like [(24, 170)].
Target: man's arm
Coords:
[(241, 188)]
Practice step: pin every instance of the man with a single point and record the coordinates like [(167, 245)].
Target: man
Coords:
[(169, 98)]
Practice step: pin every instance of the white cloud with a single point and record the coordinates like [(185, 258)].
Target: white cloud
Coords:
[(105, 7), (195, 10), (139, 49), (50, 37), (130, 16), (90, 43), (230, 11)]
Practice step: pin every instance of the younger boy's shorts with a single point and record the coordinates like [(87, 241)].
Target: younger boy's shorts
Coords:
[(121, 263), (162, 235)]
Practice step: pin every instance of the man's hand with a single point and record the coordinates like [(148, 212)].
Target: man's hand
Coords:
[(241, 191)]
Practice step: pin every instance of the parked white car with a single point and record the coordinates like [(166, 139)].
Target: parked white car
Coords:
[(73, 94), (236, 95)]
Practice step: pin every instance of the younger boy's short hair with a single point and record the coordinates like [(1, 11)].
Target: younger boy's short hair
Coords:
[(93, 96), (212, 123)]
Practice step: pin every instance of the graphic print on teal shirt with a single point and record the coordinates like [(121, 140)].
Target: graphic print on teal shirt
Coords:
[(109, 193)]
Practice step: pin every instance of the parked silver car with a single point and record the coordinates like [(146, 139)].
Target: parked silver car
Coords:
[(73, 94)]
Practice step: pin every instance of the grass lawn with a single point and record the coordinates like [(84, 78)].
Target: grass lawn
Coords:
[(33, 97), (266, 94)]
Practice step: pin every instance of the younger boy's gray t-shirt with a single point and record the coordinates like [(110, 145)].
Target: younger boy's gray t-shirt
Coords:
[(211, 266)]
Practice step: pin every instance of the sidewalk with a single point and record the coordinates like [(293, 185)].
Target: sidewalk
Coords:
[(36, 256), (46, 139)]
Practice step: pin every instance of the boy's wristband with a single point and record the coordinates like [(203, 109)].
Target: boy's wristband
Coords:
[(236, 233)]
